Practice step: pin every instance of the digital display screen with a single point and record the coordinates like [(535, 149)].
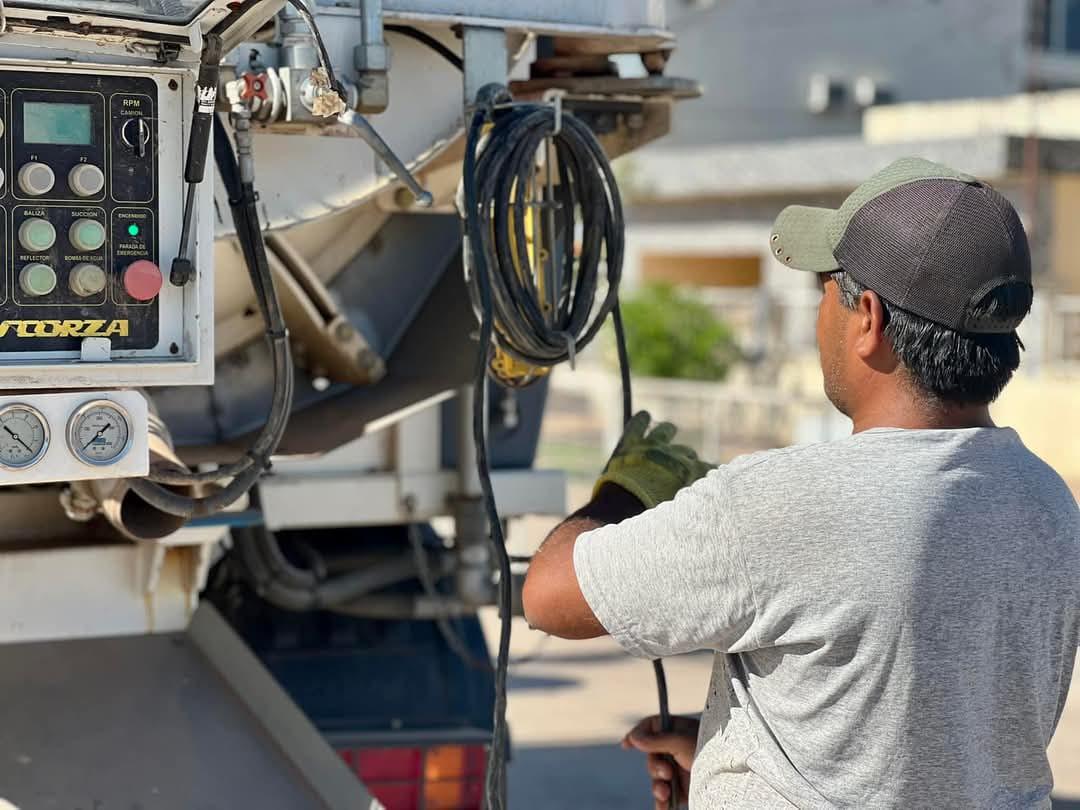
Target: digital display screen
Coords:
[(56, 123)]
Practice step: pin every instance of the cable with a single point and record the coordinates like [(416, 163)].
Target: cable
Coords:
[(427, 582), (427, 39), (281, 583), (658, 664), (324, 56), (539, 315), (245, 471), (544, 312)]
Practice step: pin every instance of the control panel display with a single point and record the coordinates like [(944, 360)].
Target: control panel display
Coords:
[(78, 211), (58, 123)]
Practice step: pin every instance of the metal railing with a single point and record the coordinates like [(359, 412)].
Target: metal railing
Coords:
[(719, 420)]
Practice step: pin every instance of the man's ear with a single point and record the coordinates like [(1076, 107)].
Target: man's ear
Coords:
[(870, 334)]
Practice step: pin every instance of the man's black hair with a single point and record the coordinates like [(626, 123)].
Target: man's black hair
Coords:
[(950, 366)]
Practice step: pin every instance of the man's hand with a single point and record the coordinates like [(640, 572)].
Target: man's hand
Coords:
[(644, 470), (648, 465), (678, 745)]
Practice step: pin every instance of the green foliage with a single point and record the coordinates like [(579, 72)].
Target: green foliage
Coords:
[(669, 333)]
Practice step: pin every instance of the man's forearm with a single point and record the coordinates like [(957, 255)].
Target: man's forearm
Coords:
[(552, 598)]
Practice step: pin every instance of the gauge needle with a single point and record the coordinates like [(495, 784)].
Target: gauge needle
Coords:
[(97, 436), (15, 436)]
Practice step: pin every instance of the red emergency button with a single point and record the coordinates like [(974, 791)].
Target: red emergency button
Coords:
[(142, 280)]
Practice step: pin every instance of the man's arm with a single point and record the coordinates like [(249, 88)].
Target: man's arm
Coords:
[(551, 596)]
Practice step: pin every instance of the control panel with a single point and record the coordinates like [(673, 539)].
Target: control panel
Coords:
[(75, 435), (82, 198), (91, 208)]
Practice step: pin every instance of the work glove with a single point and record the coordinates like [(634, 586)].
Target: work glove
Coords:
[(648, 465)]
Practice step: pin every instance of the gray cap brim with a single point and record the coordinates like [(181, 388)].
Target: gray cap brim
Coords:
[(800, 238)]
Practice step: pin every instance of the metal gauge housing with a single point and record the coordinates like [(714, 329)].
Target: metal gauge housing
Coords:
[(24, 436), (99, 432)]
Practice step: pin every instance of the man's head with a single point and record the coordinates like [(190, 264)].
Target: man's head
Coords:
[(925, 275)]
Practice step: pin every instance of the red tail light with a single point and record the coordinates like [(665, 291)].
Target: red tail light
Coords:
[(445, 777)]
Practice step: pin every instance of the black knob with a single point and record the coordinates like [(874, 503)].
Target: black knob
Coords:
[(136, 134)]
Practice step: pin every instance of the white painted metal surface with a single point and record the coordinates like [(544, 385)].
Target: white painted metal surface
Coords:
[(97, 591), (608, 17), (298, 501), (59, 463), (425, 113), (390, 477)]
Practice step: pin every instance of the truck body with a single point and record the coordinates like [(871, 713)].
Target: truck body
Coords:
[(151, 658)]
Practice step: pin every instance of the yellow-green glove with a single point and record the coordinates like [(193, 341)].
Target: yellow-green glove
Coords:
[(648, 465)]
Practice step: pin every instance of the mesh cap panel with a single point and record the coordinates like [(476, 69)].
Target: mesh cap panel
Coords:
[(898, 173), (935, 247)]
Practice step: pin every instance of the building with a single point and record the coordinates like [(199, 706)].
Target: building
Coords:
[(803, 101)]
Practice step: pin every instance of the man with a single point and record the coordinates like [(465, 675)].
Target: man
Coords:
[(895, 615)]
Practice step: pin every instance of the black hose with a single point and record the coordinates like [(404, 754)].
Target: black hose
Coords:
[(544, 312), (280, 583), (245, 471), (452, 638), (324, 57), (540, 313), (494, 787), (427, 39), (658, 665)]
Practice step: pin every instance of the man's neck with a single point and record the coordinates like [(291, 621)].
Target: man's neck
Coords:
[(903, 409)]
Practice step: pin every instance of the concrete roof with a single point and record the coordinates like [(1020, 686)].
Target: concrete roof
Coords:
[(818, 164)]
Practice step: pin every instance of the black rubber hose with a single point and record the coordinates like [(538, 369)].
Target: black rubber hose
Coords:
[(253, 545), (494, 787), (324, 57), (504, 168), (541, 323), (427, 39), (245, 471)]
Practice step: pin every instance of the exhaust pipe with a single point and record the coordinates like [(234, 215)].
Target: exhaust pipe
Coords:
[(126, 511)]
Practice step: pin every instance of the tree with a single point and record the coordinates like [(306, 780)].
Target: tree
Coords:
[(670, 333)]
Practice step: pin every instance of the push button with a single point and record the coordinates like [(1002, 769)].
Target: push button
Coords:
[(37, 235), (86, 235), (86, 279), (36, 179), (142, 280), (86, 180), (37, 279)]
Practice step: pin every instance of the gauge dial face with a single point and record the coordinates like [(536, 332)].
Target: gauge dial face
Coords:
[(24, 436), (99, 432)]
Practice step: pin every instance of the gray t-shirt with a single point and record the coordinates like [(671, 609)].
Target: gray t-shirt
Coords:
[(895, 617)]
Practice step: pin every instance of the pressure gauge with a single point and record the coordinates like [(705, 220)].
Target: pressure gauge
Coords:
[(99, 432), (24, 436)]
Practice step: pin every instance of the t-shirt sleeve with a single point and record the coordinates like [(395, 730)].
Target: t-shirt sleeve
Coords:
[(672, 579)]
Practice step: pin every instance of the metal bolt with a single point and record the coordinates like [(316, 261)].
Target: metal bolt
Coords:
[(367, 358)]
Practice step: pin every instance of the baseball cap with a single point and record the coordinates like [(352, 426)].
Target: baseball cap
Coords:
[(926, 238)]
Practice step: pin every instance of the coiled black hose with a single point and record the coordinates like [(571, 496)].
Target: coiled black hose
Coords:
[(539, 312), (543, 311)]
